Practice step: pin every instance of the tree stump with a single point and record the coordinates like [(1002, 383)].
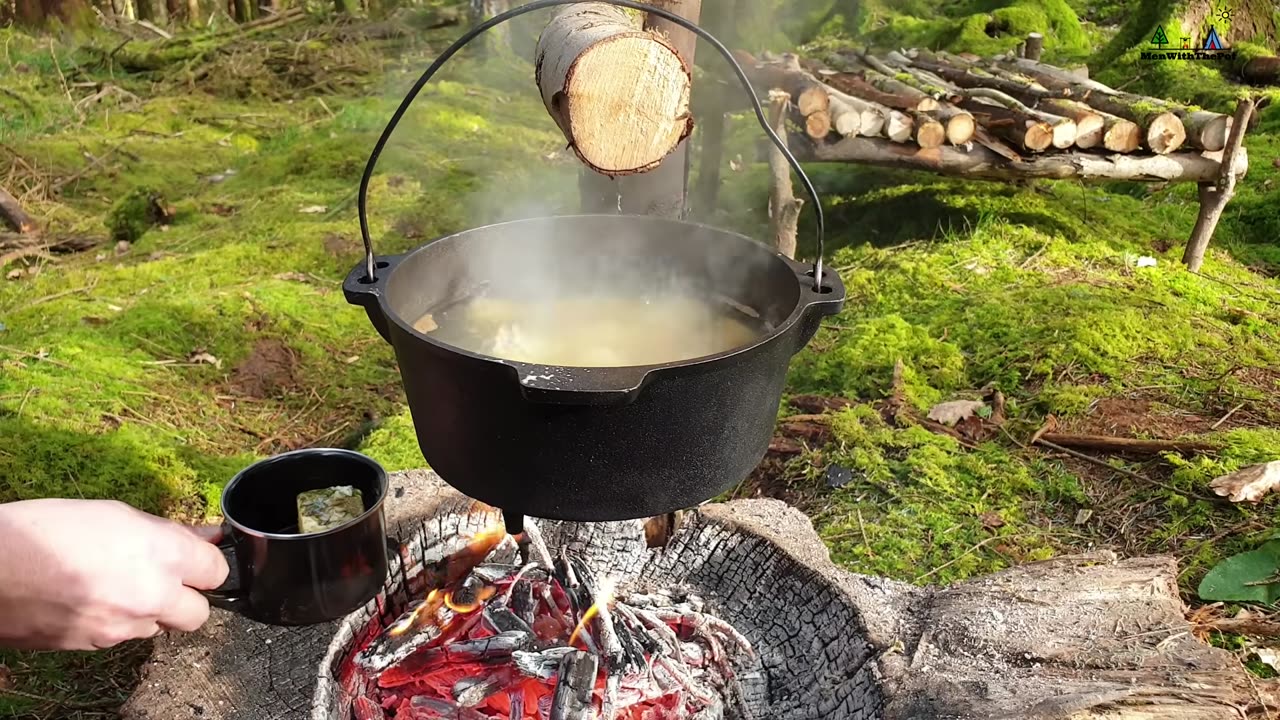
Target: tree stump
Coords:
[(1075, 637)]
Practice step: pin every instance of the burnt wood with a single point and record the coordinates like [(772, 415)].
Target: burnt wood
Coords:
[(1075, 637)]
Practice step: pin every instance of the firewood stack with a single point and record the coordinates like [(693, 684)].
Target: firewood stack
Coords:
[(1016, 107)]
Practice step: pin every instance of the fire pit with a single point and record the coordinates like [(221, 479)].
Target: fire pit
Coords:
[(1076, 637), (596, 624)]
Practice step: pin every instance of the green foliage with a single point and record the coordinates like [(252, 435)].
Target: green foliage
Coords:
[(1247, 577)]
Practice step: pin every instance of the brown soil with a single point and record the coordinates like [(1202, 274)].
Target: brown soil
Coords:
[(340, 246), (1137, 416), (267, 372)]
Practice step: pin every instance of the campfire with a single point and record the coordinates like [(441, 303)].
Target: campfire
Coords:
[(507, 631)]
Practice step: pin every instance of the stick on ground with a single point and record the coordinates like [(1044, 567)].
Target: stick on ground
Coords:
[(13, 215)]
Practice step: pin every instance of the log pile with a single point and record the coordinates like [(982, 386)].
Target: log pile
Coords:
[(1000, 117)]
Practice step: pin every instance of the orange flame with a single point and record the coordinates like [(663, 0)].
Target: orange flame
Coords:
[(604, 597), (463, 607), (413, 619)]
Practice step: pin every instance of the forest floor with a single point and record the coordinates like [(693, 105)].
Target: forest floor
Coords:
[(156, 363)]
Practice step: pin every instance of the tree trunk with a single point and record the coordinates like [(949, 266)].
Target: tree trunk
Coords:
[(981, 162), (899, 127), (960, 123), (619, 94)]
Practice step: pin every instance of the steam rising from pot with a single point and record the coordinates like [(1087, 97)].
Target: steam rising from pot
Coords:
[(561, 293)]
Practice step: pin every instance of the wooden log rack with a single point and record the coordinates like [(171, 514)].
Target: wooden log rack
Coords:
[(1006, 118)]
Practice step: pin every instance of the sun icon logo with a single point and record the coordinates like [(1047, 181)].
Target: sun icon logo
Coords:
[(1223, 14)]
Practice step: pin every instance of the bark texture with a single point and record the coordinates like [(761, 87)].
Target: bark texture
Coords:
[(1077, 637)]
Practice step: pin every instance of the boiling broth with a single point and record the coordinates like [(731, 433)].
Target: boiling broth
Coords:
[(593, 331)]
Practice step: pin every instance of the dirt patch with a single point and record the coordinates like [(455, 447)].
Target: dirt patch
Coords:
[(1137, 416), (340, 246), (268, 371)]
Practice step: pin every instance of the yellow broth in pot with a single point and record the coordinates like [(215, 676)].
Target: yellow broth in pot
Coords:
[(592, 330)]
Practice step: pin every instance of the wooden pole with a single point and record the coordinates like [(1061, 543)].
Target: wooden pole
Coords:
[(663, 191), (1033, 47), (981, 162), (1214, 196), (784, 207)]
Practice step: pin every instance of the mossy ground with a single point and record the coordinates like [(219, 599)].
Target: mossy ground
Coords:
[(152, 371)]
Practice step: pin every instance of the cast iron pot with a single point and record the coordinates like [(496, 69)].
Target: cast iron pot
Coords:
[(591, 444)]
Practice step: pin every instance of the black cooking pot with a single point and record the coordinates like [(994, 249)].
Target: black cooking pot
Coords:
[(591, 443)]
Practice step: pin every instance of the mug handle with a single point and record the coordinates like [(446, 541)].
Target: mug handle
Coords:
[(227, 598)]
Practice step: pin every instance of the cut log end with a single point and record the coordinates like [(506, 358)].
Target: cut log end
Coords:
[(1207, 130), (818, 125), (1089, 131), (898, 126), (1121, 136), (960, 128), (1037, 137), (1064, 134), (619, 95), (1165, 134), (929, 133)]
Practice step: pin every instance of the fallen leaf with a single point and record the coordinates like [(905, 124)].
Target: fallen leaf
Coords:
[(222, 210), (352, 360), (201, 357), (1268, 656), (13, 274), (93, 320), (100, 257), (1146, 261), (950, 413), (300, 277), (122, 247), (313, 209), (1246, 577), (1083, 515), (736, 163), (992, 519), (114, 308), (1249, 484)]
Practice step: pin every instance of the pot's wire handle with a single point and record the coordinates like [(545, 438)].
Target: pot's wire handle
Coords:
[(370, 265)]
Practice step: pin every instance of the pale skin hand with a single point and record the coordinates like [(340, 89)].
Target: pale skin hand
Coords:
[(90, 574)]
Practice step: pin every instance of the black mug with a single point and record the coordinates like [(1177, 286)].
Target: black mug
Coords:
[(288, 578)]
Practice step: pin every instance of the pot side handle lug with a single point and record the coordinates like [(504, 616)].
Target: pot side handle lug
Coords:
[(818, 304), (579, 386), (358, 290)]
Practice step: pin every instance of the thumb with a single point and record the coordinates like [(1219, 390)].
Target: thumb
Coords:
[(208, 533)]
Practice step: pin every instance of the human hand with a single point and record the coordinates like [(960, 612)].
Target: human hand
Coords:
[(89, 574)]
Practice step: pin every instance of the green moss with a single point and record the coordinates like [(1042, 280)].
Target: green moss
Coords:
[(394, 444), (138, 211), (923, 509)]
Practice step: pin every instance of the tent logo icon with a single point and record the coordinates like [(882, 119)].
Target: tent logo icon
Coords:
[(1211, 40)]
